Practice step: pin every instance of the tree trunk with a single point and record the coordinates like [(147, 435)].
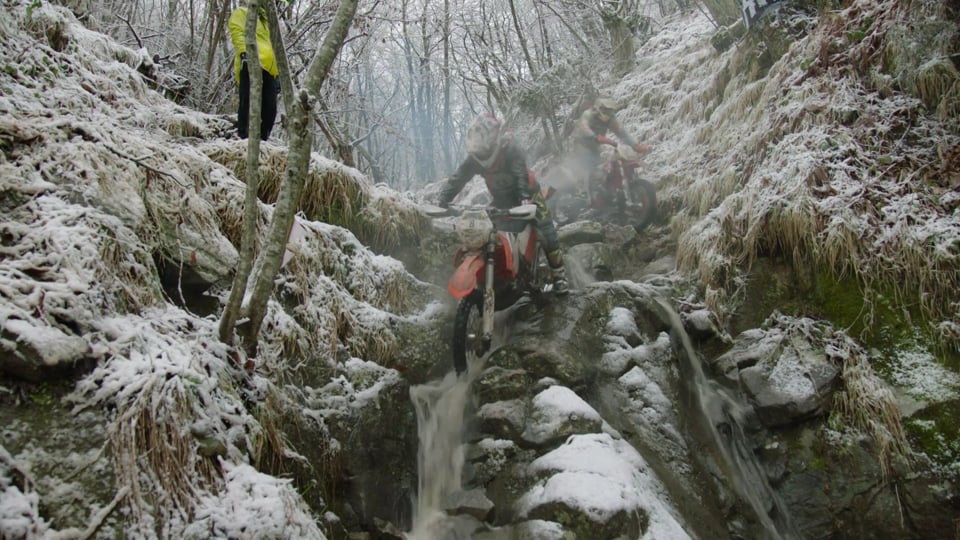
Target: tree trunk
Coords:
[(523, 40), (447, 123), (218, 20), (250, 210), (724, 12), (298, 158), (428, 119), (621, 40), (341, 146)]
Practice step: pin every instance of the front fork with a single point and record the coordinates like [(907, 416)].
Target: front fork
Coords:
[(489, 299)]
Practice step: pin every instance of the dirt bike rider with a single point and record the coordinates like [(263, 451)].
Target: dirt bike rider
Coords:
[(493, 154), (591, 131)]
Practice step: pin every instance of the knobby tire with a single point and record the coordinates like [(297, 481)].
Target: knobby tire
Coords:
[(461, 326), (644, 193)]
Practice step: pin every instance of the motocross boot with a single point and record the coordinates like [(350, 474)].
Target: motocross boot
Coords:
[(557, 273)]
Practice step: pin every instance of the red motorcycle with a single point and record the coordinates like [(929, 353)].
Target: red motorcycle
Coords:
[(616, 195), (500, 260), (622, 194)]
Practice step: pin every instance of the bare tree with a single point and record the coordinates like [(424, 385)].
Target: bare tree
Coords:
[(298, 105), (250, 209)]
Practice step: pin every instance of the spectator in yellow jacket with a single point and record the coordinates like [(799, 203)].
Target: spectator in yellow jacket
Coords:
[(268, 111)]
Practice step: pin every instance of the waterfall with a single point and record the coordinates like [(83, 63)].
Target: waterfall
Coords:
[(724, 417), (440, 411)]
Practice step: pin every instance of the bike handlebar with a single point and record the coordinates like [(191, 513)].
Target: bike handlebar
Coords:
[(523, 211)]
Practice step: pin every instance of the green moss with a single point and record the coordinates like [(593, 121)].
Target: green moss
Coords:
[(42, 396), (895, 324), (817, 463), (936, 431)]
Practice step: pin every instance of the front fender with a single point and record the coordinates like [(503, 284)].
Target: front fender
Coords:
[(464, 279)]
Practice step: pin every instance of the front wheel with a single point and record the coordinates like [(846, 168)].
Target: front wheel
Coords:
[(468, 331), (644, 194)]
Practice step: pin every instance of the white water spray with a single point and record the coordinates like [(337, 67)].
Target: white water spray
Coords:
[(440, 412)]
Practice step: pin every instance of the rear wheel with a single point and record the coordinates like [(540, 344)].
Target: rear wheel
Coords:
[(468, 330)]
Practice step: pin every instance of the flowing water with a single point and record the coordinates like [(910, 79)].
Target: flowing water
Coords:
[(724, 416), (440, 410)]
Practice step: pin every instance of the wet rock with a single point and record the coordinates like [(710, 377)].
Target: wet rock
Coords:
[(541, 358), (473, 502), (509, 485), (623, 325), (64, 455), (488, 458), (387, 530), (796, 384), (534, 529), (503, 419), (783, 369), (835, 489), (623, 524), (502, 384), (37, 352), (581, 232), (589, 262), (700, 324)]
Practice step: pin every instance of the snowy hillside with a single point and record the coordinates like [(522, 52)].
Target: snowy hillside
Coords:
[(105, 186)]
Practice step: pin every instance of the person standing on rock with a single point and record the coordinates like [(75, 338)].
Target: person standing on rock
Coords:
[(271, 87)]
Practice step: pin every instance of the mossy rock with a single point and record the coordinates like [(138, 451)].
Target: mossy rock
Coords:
[(936, 431)]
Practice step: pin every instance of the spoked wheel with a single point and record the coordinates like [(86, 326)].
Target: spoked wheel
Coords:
[(468, 331), (644, 195)]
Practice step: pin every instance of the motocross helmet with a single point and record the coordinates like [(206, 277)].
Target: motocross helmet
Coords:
[(483, 137), (606, 108)]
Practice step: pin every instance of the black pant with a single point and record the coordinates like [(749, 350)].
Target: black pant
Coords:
[(268, 105)]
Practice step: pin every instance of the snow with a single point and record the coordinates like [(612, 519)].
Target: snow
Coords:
[(253, 505), (52, 345), (19, 511), (602, 476), (96, 166), (621, 322), (554, 408), (918, 374)]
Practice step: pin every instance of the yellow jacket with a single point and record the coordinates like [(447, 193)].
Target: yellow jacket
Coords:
[(238, 19)]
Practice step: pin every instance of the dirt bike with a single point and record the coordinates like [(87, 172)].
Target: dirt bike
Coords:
[(500, 261), (617, 194), (622, 195)]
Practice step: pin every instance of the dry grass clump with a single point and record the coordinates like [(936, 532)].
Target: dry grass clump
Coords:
[(332, 194), (154, 454), (868, 405), (387, 223), (148, 438), (128, 270), (173, 409), (271, 450), (228, 200), (336, 296)]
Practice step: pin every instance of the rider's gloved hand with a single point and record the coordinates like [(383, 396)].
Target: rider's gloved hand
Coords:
[(641, 148), (603, 139)]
